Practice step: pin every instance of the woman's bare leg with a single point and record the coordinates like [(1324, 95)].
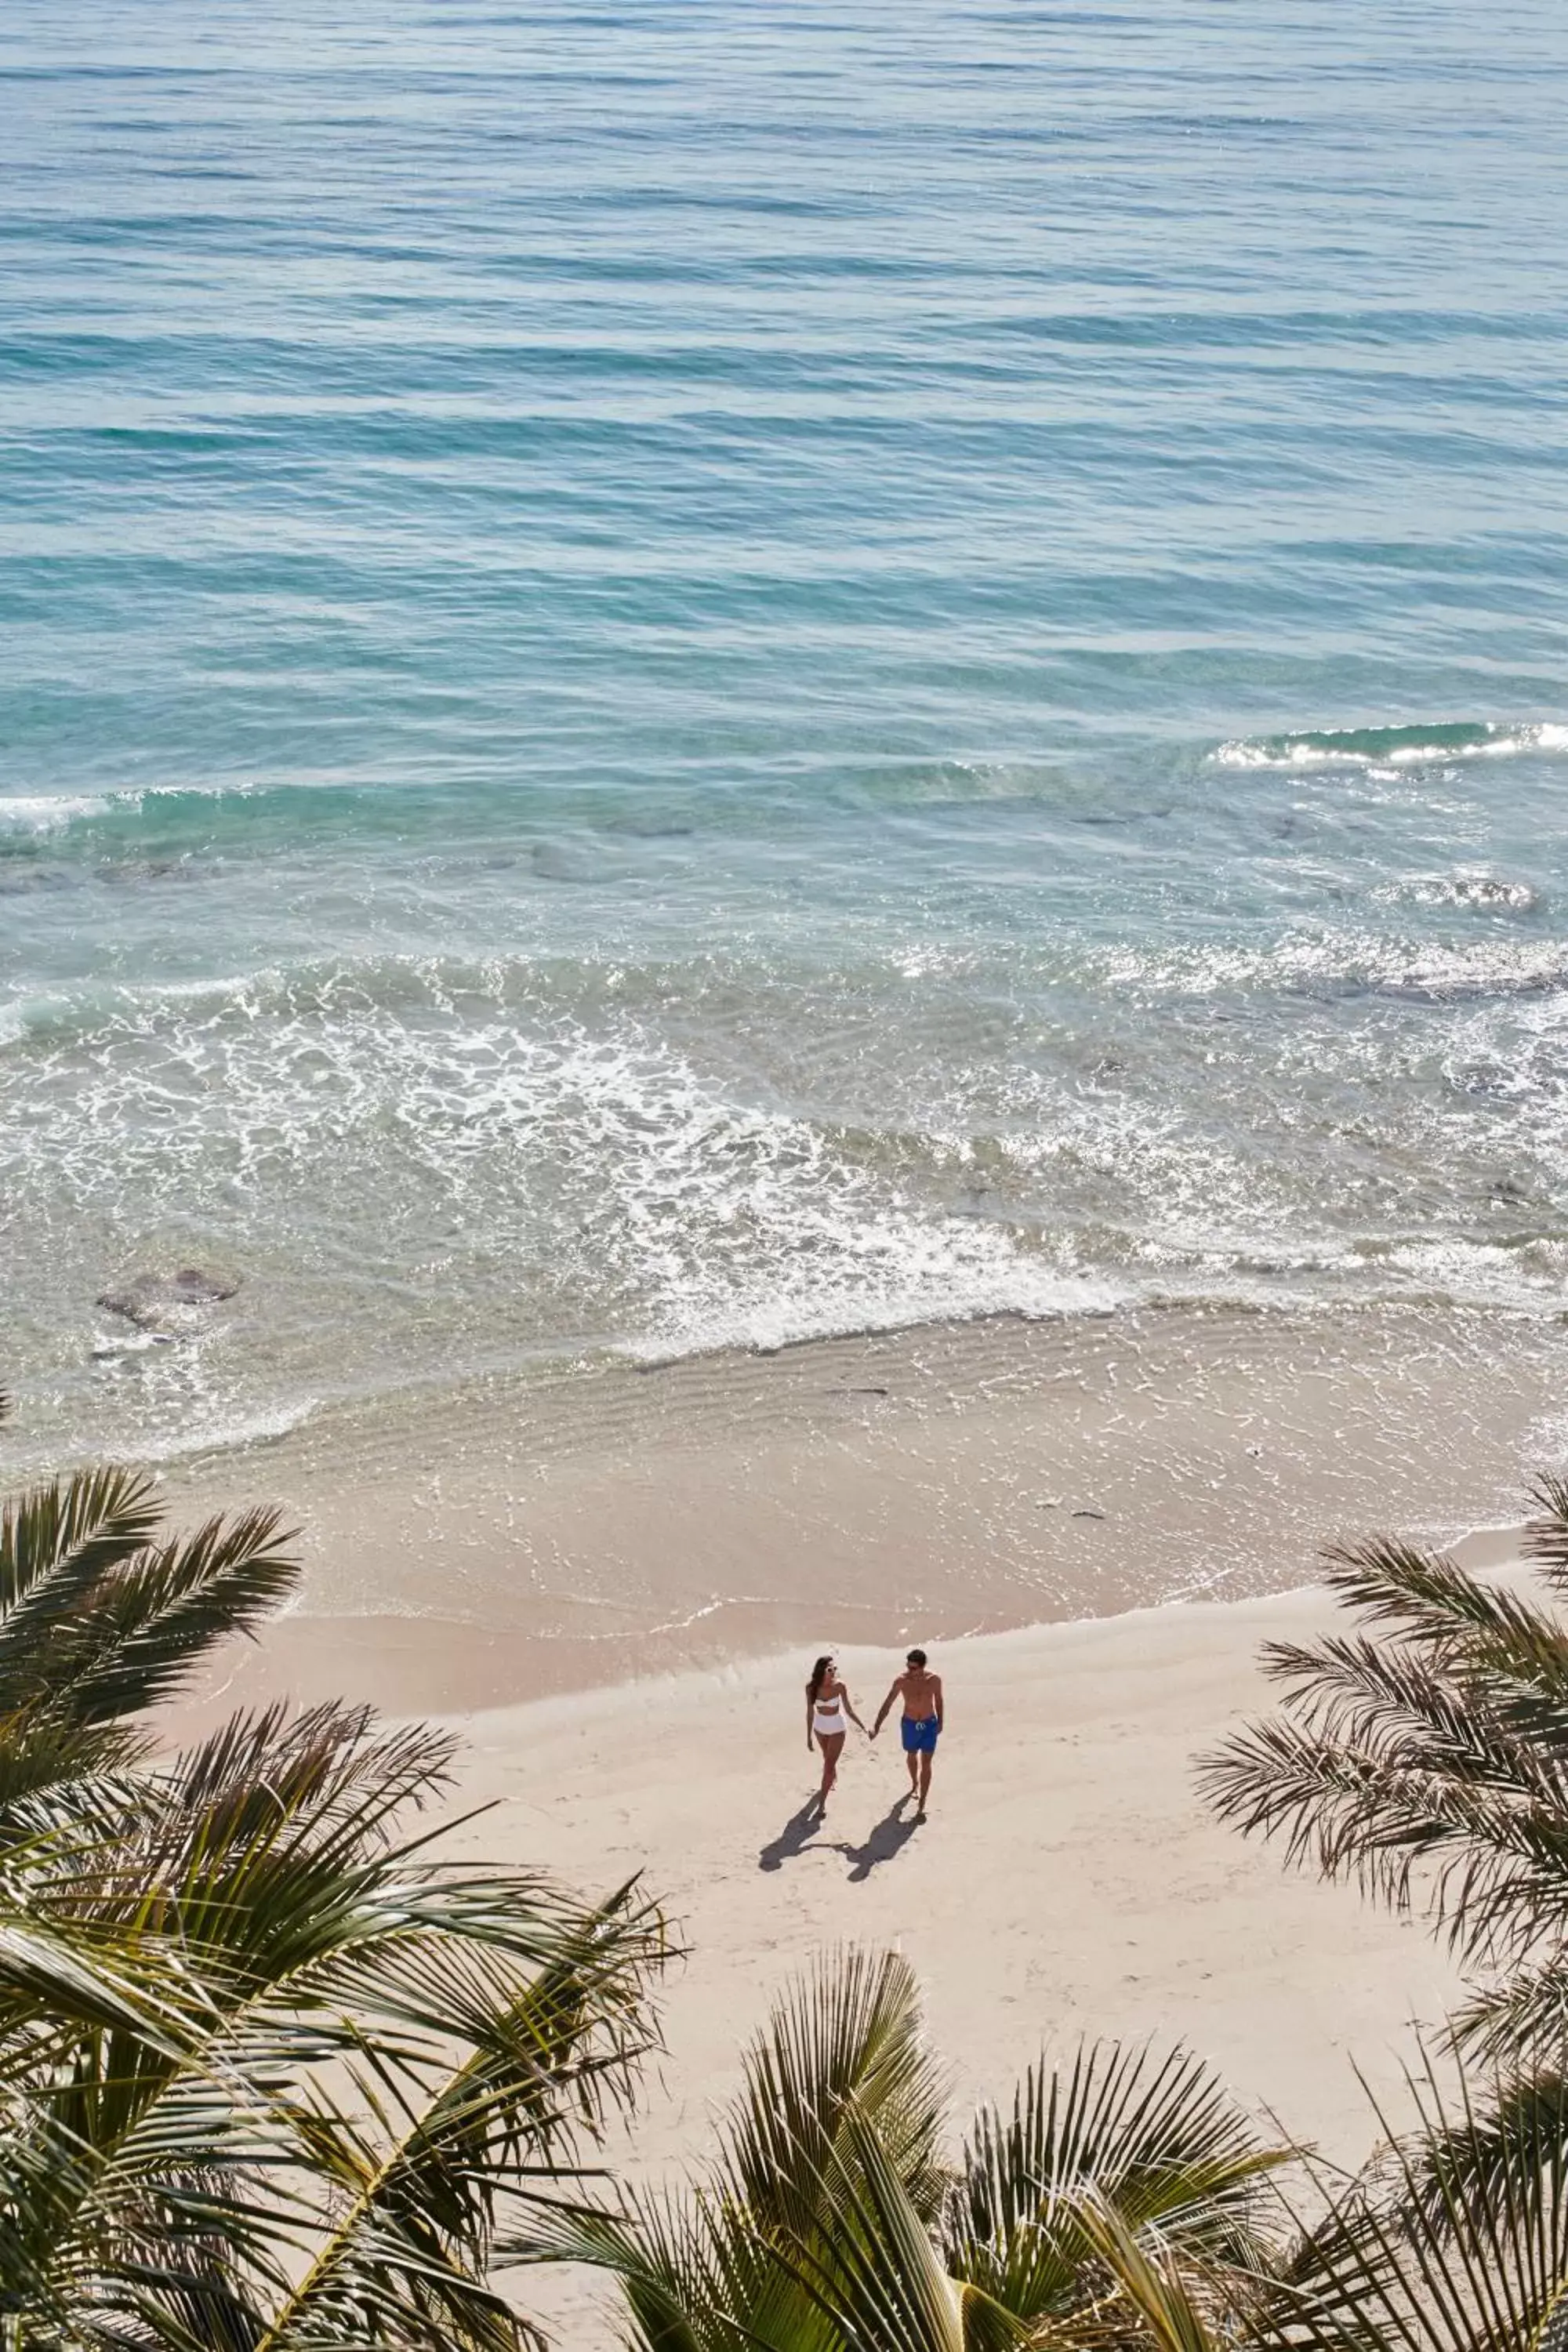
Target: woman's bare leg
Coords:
[(830, 1743)]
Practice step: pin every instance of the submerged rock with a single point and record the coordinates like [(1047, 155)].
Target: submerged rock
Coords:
[(151, 1300)]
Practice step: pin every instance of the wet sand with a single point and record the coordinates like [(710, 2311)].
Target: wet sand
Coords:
[(515, 1539)]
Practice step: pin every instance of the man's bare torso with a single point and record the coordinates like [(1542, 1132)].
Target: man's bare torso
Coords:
[(921, 1691)]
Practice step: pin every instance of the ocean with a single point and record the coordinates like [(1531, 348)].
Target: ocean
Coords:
[(691, 674)]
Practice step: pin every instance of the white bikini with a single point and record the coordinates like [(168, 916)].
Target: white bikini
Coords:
[(829, 1716)]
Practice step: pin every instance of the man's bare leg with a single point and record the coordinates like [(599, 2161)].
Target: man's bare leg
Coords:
[(924, 1789)]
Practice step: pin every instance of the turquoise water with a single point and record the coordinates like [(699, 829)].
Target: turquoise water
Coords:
[(675, 673)]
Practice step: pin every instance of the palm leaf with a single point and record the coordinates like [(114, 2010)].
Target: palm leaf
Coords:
[(1521, 2022), (837, 2117), (1457, 2238), (1428, 1764), (159, 1614), (1546, 1534), (848, 2033), (1152, 2300), (96, 1620), (1157, 2136), (875, 2270), (419, 2224), (56, 1541)]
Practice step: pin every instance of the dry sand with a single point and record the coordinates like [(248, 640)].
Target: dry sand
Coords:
[(1068, 1881)]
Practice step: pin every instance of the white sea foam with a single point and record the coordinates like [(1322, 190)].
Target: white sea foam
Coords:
[(228, 1433), (44, 813), (1390, 750), (50, 812), (1346, 958), (419, 1161), (1469, 887)]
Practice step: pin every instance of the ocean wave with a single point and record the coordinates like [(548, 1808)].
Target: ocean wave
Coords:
[(172, 818), (1395, 747), (417, 1159), (231, 1433)]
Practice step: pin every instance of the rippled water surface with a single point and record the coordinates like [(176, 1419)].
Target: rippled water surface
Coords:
[(680, 673)]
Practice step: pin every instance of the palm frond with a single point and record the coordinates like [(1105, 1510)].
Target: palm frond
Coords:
[(814, 2219), (98, 1620), (1546, 1534), (1457, 2238), (1152, 2299), (83, 1981), (848, 2033), (1158, 2136), (53, 1772), (420, 2194), (1430, 1768), (1424, 1596), (338, 2178), (149, 1624), (1520, 2021), (56, 1541), (695, 2275), (877, 2270)]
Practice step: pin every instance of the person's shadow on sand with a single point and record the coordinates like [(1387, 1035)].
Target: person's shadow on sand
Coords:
[(792, 1839), (890, 1837)]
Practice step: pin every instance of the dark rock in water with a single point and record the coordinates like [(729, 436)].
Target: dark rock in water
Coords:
[(149, 1299)]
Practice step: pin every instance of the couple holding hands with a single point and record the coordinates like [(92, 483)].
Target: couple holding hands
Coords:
[(829, 1710)]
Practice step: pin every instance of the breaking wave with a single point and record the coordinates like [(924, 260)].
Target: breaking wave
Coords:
[(1395, 747)]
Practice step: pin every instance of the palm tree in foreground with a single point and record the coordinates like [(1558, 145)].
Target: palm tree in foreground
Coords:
[(831, 2218), (1122, 2203), (272, 2076), (1424, 1756)]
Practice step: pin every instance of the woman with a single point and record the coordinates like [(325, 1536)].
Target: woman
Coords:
[(827, 1703)]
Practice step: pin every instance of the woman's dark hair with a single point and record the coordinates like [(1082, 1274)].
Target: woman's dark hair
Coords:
[(818, 1672)]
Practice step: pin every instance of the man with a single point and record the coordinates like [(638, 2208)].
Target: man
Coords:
[(921, 1726)]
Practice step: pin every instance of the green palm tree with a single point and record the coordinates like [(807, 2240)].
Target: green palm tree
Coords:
[(1424, 1756), (103, 1612), (831, 2218), (273, 2075), (1123, 2203)]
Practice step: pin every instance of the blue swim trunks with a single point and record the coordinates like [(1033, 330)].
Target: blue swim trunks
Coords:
[(919, 1738)]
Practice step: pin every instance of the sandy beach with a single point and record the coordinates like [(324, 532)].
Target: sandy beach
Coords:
[(1068, 1881), (1093, 1527), (783, 871)]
